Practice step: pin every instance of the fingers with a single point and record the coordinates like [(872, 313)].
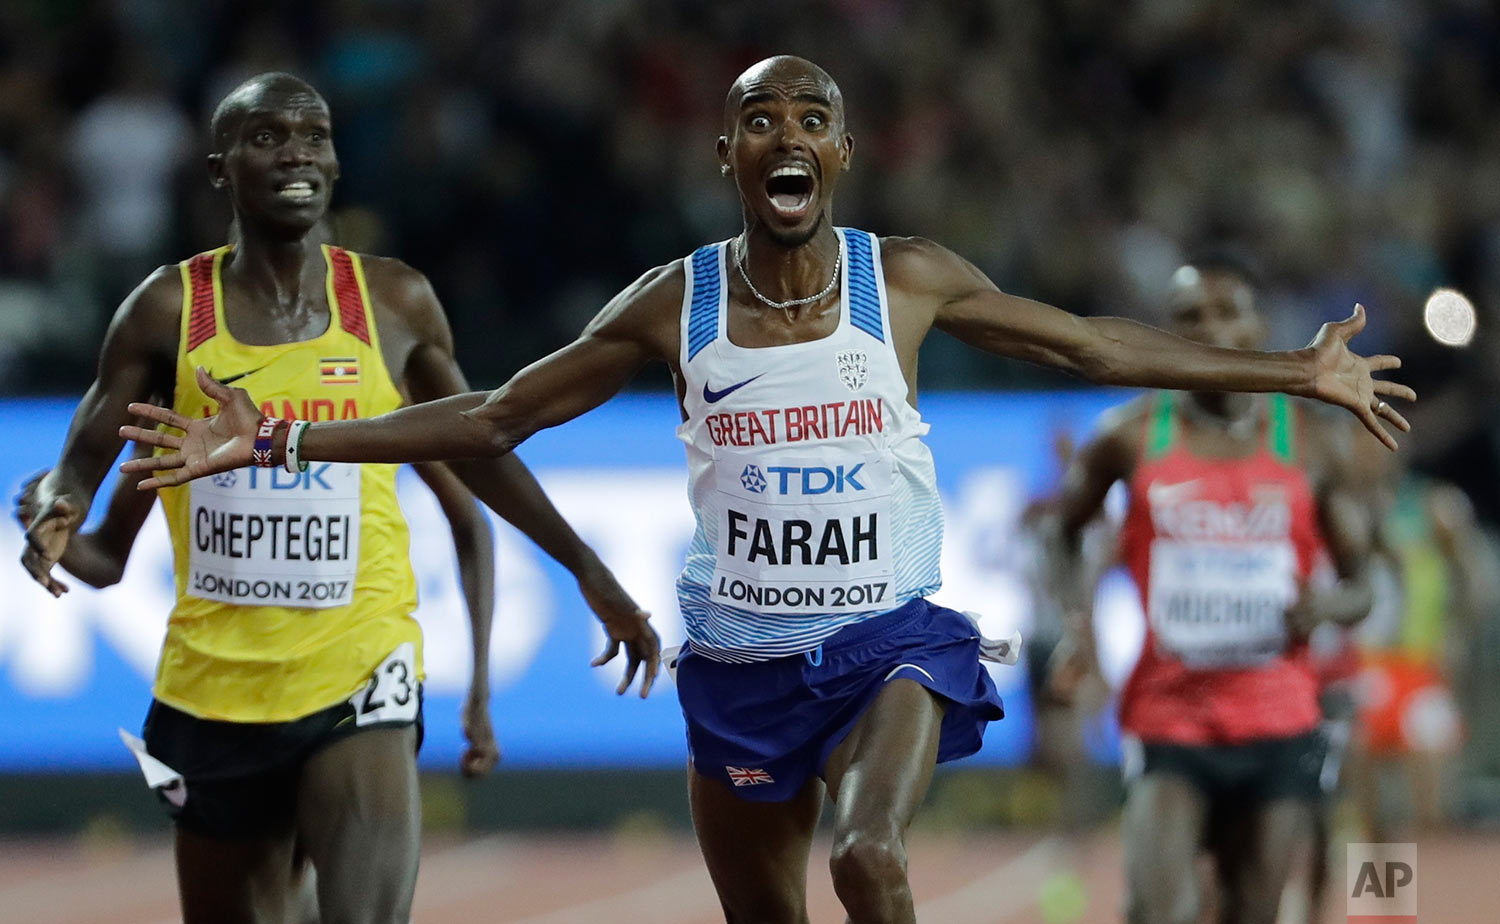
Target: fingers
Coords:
[(159, 414), (165, 480), (152, 437), (1384, 362), (40, 569), (1393, 390), (1389, 413), (650, 651), (153, 463), (212, 386), (611, 648), (632, 665), (479, 759), (1354, 323), (653, 667), (1372, 423)]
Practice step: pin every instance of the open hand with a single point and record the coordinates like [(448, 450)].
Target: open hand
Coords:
[(50, 520), (1343, 377), (207, 446), (625, 623), (482, 752)]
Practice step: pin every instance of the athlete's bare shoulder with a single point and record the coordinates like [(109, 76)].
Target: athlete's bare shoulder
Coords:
[(647, 312), (917, 265), (1121, 429), (150, 317), (398, 287)]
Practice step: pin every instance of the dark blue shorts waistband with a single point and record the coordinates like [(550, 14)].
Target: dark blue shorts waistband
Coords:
[(859, 633)]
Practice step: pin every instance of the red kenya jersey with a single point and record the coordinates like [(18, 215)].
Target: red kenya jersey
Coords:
[(1219, 548)]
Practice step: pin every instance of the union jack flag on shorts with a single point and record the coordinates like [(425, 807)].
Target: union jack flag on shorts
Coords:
[(260, 457), (747, 776)]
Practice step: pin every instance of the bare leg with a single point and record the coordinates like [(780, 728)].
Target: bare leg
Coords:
[(234, 881), (1255, 854), (304, 901), (359, 819), (1163, 826), (878, 777), (756, 852)]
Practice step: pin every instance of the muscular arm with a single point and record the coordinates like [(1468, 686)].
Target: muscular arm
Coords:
[(949, 293), (535, 399), (135, 362), (474, 543), (1104, 460), (626, 335), (502, 481), (1345, 521), (98, 557), (474, 546)]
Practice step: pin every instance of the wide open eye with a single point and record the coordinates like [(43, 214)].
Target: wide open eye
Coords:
[(759, 123), (813, 121)]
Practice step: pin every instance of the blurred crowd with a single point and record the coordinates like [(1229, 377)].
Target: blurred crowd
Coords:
[(533, 156)]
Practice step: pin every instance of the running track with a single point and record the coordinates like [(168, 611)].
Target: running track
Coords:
[(983, 879)]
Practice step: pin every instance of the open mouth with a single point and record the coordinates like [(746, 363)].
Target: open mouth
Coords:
[(298, 191), (790, 189)]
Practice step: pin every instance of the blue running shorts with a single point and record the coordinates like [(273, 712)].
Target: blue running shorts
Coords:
[(763, 728)]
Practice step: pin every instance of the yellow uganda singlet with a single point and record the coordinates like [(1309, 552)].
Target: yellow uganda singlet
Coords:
[(291, 589)]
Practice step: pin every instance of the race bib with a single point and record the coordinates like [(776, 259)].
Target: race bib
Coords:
[(1221, 604), (391, 694), (265, 537), (804, 532)]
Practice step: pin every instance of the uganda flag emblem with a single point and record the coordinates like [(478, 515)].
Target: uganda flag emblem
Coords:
[(339, 370)]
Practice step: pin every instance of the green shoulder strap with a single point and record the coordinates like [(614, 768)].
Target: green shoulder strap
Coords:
[(1162, 430), (1281, 435)]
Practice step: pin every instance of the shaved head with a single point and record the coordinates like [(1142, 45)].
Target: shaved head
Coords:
[(783, 75), (271, 90)]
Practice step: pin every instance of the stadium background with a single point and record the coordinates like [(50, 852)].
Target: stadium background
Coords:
[(533, 157)]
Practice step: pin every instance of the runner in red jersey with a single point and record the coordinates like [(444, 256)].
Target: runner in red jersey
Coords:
[(1231, 497)]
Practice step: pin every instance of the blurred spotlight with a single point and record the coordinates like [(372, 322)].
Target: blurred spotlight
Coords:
[(1449, 317)]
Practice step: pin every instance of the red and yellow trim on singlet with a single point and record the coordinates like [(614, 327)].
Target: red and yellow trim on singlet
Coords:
[(274, 663)]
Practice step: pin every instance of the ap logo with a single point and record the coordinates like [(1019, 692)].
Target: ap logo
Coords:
[(1382, 883), (226, 479), (752, 479), (854, 368)]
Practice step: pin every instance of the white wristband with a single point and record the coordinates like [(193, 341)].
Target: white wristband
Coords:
[(294, 463)]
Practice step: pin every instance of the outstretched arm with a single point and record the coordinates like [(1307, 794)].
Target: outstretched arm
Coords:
[(474, 544), (1116, 351), (626, 335), (637, 326)]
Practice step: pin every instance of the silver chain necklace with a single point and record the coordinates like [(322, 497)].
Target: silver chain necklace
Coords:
[(739, 264)]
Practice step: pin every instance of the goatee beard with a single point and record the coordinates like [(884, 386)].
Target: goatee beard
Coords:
[(796, 238)]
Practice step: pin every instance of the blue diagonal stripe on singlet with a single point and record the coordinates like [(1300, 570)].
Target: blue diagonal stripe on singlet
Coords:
[(864, 295), (703, 313)]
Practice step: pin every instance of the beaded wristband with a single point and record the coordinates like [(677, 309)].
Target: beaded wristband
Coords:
[(265, 435), (294, 433)]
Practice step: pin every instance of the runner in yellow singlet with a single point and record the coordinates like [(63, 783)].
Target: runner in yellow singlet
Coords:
[(288, 699)]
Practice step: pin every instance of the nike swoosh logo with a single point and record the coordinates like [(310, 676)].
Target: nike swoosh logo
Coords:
[(236, 377), (1168, 493), (713, 397)]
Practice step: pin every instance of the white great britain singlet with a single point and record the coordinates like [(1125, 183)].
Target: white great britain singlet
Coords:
[(815, 498)]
